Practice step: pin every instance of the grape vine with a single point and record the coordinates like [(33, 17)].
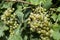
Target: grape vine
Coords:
[(29, 20)]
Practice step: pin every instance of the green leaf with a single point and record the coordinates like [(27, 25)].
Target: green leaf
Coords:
[(56, 27), (35, 2), (1, 33), (26, 13), (16, 35), (1, 4), (7, 5), (54, 17), (25, 38), (56, 35), (47, 4), (19, 13), (34, 37), (58, 17), (58, 9), (2, 28)]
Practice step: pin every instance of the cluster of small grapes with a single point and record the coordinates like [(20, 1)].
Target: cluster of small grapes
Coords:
[(10, 19), (39, 22)]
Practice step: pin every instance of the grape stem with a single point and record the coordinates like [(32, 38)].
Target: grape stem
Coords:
[(19, 1)]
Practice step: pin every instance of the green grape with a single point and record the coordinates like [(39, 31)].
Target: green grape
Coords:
[(39, 22), (10, 20)]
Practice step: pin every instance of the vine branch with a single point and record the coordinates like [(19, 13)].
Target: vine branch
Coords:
[(19, 1)]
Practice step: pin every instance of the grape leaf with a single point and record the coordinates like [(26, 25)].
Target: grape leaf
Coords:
[(16, 35), (54, 17), (47, 4), (56, 35), (25, 38), (1, 33), (32, 37), (35, 2), (58, 9), (56, 27), (19, 13), (58, 17), (2, 28), (7, 5)]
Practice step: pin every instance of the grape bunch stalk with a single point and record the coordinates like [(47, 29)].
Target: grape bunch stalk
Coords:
[(39, 22), (10, 20)]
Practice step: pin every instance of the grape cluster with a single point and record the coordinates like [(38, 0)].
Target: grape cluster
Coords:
[(10, 20), (39, 22)]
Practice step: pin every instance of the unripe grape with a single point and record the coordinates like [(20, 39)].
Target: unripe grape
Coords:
[(38, 32), (28, 19), (43, 31), (3, 17), (10, 26), (47, 33), (10, 19), (14, 14), (14, 27), (17, 24), (12, 33), (39, 19), (8, 14), (28, 22), (32, 29), (13, 9), (10, 10), (43, 38)]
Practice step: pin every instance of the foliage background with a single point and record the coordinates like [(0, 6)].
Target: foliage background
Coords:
[(23, 8)]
